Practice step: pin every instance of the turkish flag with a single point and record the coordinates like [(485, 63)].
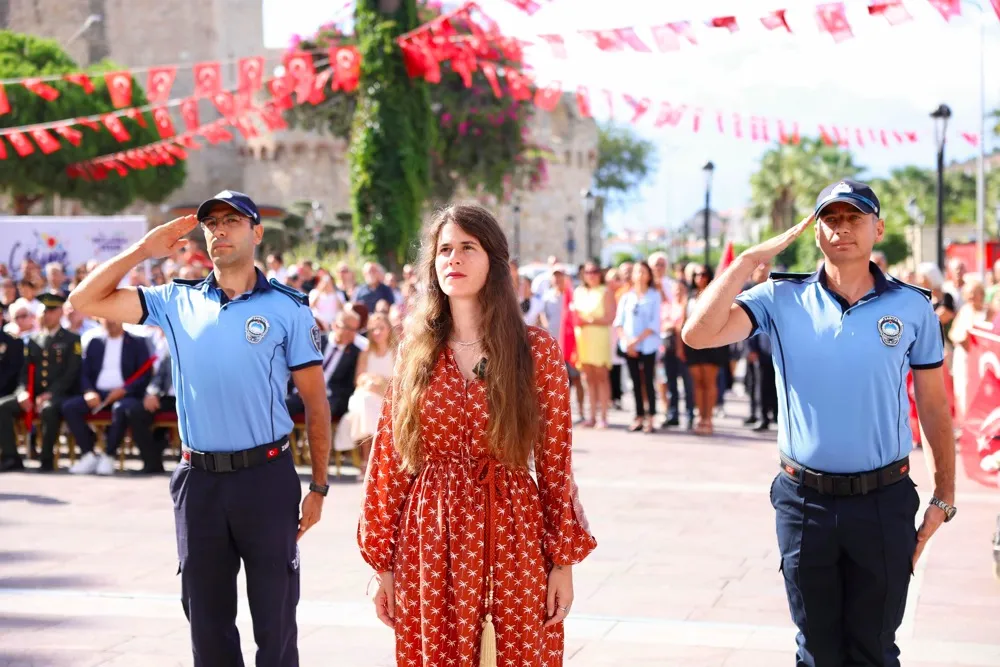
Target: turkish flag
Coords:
[(605, 40), (348, 66), (246, 127), (4, 104), (159, 82), (207, 79), (893, 11), (20, 143), (639, 107), (529, 7), (669, 114), (832, 18), (224, 103), (216, 133), (88, 122), (758, 129), (115, 127), (176, 151), (775, 20), (996, 7), (272, 118), (164, 124), (558, 44), (3, 150), (583, 101), (318, 93), (43, 90), (120, 88), (187, 141), (490, 72), (251, 74), (628, 37), (137, 116), (948, 8), (189, 112), (548, 98), (281, 92), (727, 22), (70, 134), (82, 80), (299, 66), (45, 141), (519, 84)]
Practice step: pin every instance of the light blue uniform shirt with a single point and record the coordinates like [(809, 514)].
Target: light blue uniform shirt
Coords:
[(841, 370), (636, 314), (232, 359)]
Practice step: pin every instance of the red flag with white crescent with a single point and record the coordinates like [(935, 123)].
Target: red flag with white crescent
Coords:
[(43, 90), (299, 67), (189, 112), (251, 74), (115, 127), (46, 142), (20, 143), (82, 80), (164, 124), (348, 63), (4, 104), (207, 79), (120, 88), (70, 134), (159, 83)]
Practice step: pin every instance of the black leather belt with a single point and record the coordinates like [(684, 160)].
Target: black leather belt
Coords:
[(232, 461), (846, 485)]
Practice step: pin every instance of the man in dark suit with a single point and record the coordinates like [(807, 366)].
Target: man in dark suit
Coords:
[(340, 362), (11, 361), (112, 357), (160, 397), (54, 355)]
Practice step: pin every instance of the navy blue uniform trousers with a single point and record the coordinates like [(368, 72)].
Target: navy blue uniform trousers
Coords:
[(847, 566), (249, 515)]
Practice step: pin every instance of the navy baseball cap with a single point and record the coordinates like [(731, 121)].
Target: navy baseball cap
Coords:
[(855, 193), (237, 200)]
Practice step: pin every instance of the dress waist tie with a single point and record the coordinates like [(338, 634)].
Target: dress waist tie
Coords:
[(487, 478)]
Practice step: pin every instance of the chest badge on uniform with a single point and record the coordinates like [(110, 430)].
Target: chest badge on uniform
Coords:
[(256, 328), (890, 330)]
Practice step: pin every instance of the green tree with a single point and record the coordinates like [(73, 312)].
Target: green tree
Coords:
[(790, 176), (28, 180), (624, 162), (391, 137)]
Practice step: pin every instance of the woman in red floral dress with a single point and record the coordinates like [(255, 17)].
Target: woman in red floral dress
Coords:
[(473, 557)]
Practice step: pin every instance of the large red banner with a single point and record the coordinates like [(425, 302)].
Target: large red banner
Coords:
[(980, 441)]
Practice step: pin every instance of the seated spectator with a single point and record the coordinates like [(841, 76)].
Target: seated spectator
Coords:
[(55, 279), (23, 321), (374, 290), (340, 359), (8, 292), (110, 359), (28, 290), (325, 302)]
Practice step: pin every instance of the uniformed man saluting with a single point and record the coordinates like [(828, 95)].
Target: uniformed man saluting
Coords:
[(234, 339), (843, 340), (54, 355)]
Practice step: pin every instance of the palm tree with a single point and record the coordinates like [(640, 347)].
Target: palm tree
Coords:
[(791, 175)]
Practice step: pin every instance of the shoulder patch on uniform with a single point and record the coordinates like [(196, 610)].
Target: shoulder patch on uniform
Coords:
[(290, 292), (924, 291), (787, 275)]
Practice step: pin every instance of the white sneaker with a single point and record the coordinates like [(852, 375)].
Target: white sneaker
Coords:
[(105, 465), (86, 465)]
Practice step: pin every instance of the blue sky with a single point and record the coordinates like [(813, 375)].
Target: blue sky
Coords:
[(885, 77)]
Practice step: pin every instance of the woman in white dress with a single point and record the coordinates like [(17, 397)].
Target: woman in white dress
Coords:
[(325, 301), (374, 370)]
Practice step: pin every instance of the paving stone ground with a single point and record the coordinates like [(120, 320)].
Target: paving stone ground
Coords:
[(686, 571)]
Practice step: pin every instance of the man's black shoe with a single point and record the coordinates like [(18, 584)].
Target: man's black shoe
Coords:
[(11, 465), (749, 421), (673, 421), (763, 426), (47, 465)]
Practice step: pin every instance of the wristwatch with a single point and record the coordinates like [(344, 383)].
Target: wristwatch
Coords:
[(949, 510), (321, 489)]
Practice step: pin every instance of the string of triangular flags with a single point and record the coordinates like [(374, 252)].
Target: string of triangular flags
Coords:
[(830, 18)]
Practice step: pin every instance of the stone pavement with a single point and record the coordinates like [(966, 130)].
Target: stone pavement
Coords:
[(686, 571)]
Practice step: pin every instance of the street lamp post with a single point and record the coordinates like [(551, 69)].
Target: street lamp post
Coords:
[(916, 225), (570, 241), (588, 220), (517, 229), (708, 170), (940, 116)]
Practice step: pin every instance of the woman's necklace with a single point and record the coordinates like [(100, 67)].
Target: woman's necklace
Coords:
[(460, 343)]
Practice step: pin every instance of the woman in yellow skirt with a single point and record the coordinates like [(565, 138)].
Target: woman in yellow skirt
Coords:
[(593, 310)]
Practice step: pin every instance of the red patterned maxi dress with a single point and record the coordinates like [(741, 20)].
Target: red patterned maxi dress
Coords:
[(463, 515)]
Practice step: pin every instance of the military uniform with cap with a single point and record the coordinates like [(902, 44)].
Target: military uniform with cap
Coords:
[(845, 504), (236, 492), (55, 358)]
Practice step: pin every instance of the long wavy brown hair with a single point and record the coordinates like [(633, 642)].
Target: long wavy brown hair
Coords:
[(510, 376)]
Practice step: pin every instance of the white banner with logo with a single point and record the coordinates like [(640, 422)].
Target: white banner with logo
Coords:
[(70, 240)]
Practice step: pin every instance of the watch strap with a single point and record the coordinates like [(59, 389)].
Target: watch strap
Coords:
[(321, 489), (949, 510)]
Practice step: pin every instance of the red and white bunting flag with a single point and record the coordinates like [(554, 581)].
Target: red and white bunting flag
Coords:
[(299, 66), (605, 40), (776, 20), (187, 141), (4, 103), (893, 11), (547, 98), (529, 7), (490, 72), (159, 82), (82, 80), (520, 85), (670, 115), (20, 143), (639, 107), (788, 135), (583, 102), (683, 30), (189, 112), (727, 22), (557, 43), (948, 8), (627, 37), (246, 127), (971, 137), (272, 118), (696, 119), (46, 142), (115, 127), (43, 90), (120, 88), (176, 151), (251, 74), (137, 116), (87, 122), (737, 125), (832, 18), (70, 134), (317, 95), (996, 7), (758, 129), (348, 64), (207, 79), (164, 124), (224, 103), (3, 149), (666, 38)]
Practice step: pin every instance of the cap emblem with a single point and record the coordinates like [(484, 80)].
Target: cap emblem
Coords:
[(841, 188)]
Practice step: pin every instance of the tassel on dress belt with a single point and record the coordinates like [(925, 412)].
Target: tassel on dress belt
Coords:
[(488, 643)]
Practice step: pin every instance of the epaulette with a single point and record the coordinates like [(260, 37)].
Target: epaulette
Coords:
[(290, 292), (787, 275), (188, 282), (923, 290)]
